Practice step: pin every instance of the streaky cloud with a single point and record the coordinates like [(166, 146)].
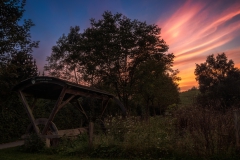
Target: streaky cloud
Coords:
[(198, 29)]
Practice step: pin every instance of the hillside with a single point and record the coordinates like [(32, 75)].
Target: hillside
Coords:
[(188, 97)]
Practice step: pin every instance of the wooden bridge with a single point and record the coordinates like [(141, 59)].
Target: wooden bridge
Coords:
[(64, 92)]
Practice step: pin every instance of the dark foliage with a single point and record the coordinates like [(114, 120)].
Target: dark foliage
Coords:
[(110, 55), (219, 82), (16, 64), (14, 38), (33, 144)]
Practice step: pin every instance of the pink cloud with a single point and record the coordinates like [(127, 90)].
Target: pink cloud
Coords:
[(197, 30)]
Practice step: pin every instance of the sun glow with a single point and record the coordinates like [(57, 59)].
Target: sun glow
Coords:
[(192, 34)]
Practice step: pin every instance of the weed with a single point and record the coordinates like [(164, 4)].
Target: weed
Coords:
[(33, 144)]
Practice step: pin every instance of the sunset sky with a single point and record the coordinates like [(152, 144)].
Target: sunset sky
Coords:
[(193, 29)]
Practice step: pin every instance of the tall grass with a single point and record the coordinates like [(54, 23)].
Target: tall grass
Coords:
[(134, 138), (205, 132), (187, 133)]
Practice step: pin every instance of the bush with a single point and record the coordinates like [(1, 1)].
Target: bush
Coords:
[(33, 144), (205, 132), (132, 138), (71, 146), (107, 151)]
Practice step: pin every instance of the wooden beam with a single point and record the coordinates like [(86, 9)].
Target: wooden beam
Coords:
[(79, 106), (65, 102), (29, 112), (33, 104), (72, 132), (91, 127), (55, 109), (121, 106), (105, 106), (61, 133), (87, 94)]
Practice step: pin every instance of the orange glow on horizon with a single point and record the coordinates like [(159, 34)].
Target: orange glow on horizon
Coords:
[(197, 30)]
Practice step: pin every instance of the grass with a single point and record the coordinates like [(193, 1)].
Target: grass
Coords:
[(133, 139), (16, 154), (187, 97), (129, 139)]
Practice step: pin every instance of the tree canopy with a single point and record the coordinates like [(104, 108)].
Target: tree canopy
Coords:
[(219, 82), (16, 64), (14, 38), (16, 61), (110, 55)]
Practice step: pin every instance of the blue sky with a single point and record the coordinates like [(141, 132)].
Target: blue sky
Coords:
[(193, 29)]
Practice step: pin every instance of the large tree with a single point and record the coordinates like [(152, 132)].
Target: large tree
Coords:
[(156, 86), (219, 82), (63, 62), (16, 64), (109, 53), (14, 38)]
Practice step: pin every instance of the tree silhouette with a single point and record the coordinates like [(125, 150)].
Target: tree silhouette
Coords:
[(14, 38), (108, 54), (16, 64), (219, 82)]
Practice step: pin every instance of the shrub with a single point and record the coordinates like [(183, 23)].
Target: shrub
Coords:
[(71, 146), (132, 138), (33, 144), (205, 132)]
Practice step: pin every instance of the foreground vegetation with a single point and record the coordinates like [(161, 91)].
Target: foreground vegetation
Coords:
[(188, 133), (15, 153)]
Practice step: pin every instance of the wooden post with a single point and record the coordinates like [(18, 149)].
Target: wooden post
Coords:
[(33, 104), (91, 127), (65, 102), (29, 112), (55, 109), (105, 106), (79, 106), (47, 142)]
